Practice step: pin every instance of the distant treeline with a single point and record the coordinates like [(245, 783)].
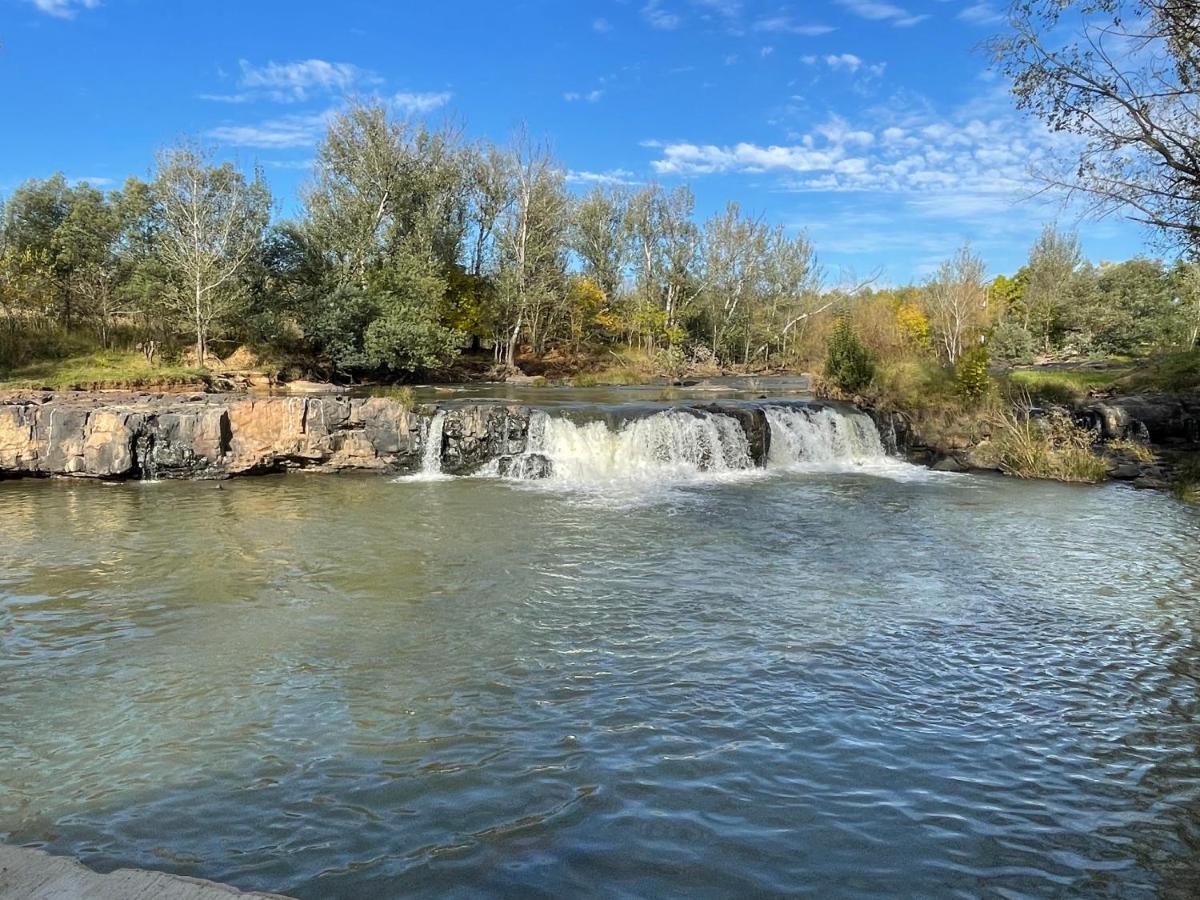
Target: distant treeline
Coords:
[(414, 245)]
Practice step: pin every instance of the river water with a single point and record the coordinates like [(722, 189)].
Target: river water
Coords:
[(845, 677)]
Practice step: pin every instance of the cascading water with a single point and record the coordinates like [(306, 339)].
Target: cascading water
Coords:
[(431, 451), (823, 437), (667, 446)]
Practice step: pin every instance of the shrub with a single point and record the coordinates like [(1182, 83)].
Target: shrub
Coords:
[(1187, 480), (1051, 446), (971, 373), (1011, 342), (849, 365)]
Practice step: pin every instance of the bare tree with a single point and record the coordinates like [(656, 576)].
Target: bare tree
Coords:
[(958, 301), (1124, 75), (212, 224)]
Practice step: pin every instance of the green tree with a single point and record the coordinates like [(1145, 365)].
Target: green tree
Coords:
[(848, 363)]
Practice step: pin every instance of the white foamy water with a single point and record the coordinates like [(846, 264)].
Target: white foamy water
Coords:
[(431, 451), (807, 439), (670, 446)]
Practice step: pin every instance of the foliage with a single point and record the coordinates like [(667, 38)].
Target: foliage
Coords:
[(849, 365), (1186, 485), (971, 373), (1012, 342), (1051, 446)]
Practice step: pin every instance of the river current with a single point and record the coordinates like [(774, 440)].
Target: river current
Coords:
[(838, 676)]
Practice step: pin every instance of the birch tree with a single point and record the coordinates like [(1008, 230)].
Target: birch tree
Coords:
[(958, 298), (212, 224), (532, 242)]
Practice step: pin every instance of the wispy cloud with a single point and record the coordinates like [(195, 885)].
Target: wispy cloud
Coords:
[(601, 25), (296, 82), (587, 96), (881, 11), (981, 13), (612, 176), (282, 133), (783, 24), (420, 103), (848, 63), (659, 17), (64, 9)]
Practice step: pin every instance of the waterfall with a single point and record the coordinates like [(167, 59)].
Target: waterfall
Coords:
[(667, 446), (431, 451), (822, 437)]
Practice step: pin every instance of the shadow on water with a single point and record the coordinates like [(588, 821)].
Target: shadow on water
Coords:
[(822, 683)]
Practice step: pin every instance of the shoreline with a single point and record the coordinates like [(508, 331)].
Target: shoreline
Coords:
[(27, 873)]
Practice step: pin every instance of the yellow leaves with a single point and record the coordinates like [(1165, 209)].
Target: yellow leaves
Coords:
[(913, 324)]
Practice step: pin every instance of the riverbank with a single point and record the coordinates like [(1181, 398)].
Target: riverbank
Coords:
[(29, 874)]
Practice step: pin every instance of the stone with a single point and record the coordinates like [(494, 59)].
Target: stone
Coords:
[(526, 467), (29, 874)]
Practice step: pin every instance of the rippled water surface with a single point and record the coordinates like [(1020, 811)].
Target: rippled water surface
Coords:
[(823, 684)]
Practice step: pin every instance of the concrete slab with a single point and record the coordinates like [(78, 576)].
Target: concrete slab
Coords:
[(27, 874)]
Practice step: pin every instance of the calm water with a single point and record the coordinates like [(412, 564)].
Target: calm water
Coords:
[(821, 684)]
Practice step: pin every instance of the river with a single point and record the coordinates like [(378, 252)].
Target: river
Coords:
[(647, 675)]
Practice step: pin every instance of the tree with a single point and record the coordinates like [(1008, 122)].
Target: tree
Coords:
[(600, 235), (848, 363), (1186, 279), (1124, 76), (958, 302), (212, 224), (531, 236), (1053, 261), (667, 258)]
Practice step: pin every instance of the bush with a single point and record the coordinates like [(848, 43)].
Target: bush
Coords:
[(1011, 342), (971, 374), (1187, 480), (1052, 447), (849, 365)]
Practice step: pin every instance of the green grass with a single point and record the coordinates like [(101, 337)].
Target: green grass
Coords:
[(1065, 385), (105, 370), (621, 376), (1171, 373)]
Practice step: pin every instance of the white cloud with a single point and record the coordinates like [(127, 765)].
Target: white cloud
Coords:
[(298, 81), (981, 13), (972, 165), (601, 25), (783, 24), (280, 133), (846, 63), (880, 11), (420, 103), (612, 176), (658, 17), (64, 9), (588, 96)]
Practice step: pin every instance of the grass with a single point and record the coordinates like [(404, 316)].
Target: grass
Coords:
[(1064, 385), (1170, 373), (104, 370), (1052, 447), (1187, 481)]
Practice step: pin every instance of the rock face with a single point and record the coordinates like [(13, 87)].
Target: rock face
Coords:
[(202, 436)]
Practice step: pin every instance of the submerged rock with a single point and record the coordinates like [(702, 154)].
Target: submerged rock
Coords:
[(526, 466)]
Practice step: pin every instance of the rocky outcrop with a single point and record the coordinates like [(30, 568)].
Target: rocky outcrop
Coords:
[(213, 436), (1166, 419)]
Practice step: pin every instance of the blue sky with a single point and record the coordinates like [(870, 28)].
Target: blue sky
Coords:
[(873, 124)]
